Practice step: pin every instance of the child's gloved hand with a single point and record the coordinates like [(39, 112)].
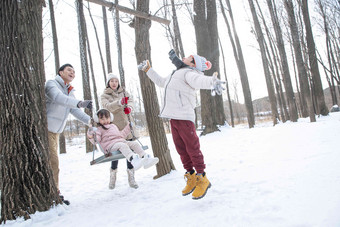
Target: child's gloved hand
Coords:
[(124, 101), (127, 110), (144, 66), (217, 85), (91, 132)]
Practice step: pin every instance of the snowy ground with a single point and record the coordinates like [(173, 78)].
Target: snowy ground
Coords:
[(287, 175)]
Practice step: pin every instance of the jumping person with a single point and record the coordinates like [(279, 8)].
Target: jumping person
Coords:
[(178, 106), (60, 102)]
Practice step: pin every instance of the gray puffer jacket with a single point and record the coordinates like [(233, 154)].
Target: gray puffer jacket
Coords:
[(60, 103), (180, 92)]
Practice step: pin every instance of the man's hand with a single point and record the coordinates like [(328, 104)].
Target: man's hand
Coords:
[(124, 101), (217, 85), (85, 104), (144, 66)]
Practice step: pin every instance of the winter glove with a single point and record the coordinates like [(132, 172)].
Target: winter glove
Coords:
[(85, 104), (217, 85), (144, 66), (127, 110), (124, 101), (91, 132)]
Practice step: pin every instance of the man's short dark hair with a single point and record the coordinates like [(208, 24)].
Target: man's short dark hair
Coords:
[(64, 66)]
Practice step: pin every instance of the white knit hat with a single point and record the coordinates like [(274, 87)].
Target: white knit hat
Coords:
[(201, 63), (111, 76)]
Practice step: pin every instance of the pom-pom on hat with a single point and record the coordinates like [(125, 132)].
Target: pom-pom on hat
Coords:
[(201, 63), (111, 76)]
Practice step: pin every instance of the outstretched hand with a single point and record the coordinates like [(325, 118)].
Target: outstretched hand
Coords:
[(217, 85), (144, 66)]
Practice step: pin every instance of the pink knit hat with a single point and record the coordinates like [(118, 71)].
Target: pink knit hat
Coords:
[(201, 63)]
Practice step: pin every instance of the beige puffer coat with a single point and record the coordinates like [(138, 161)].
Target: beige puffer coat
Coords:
[(110, 100), (180, 92)]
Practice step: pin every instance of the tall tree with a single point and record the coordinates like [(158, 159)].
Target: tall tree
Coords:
[(151, 106), (265, 64), (62, 142), (84, 61), (107, 42), (119, 46), (322, 108), (28, 184), (306, 98), (238, 55), (284, 62), (178, 39)]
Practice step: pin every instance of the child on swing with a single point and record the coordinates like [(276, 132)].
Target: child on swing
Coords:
[(111, 139)]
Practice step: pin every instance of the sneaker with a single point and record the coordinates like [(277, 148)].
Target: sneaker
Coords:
[(131, 178), (113, 177), (137, 162), (149, 161), (190, 178), (202, 186)]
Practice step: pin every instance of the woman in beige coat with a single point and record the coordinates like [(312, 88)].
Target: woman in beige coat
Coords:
[(115, 99)]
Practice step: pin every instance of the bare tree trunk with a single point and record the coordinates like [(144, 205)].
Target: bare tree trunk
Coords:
[(84, 62), (322, 108), (28, 184), (227, 87), (286, 75), (107, 43), (306, 98), (177, 32), (119, 46), (202, 35), (99, 48), (238, 55), (269, 82), (151, 106)]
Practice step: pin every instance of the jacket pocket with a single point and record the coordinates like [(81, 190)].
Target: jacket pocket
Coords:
[(179, 99)]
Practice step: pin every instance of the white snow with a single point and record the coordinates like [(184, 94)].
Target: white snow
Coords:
[(287, 175)]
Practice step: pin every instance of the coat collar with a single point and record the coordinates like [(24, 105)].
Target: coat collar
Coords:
[(63, 84)]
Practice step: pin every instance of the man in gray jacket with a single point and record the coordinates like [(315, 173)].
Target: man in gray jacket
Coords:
[(60, 102)]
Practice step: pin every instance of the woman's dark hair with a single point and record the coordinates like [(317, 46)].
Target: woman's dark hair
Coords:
[(103, 113)]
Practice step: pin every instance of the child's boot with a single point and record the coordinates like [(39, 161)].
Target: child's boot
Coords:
[(113, 177), (149, 161), (202, 186), (190, 178), (136, 161), (131, 178)]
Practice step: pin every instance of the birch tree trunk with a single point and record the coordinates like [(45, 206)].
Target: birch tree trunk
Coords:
[(151, 106), (28, 184), (107, 42)]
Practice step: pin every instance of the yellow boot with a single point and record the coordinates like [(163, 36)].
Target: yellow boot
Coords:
[(202, 186), (190, 178)]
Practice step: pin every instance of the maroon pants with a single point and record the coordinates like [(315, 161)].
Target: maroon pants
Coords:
[(187, 145)]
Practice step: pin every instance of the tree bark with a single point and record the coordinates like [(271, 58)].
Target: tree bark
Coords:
[(238, 55), (151, 106), (269, 81), (119, 47), (322, 108), (306, 98), (84, 62), (293, 114), (28, 184), (107, 43)]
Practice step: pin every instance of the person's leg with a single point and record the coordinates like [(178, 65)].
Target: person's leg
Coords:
[(187, 132), (114, 164), (53, 139), (135, 146), (180, 145), (135, 160)]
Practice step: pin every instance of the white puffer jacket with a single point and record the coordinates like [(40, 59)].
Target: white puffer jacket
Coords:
[(60, 103), (180, 92)]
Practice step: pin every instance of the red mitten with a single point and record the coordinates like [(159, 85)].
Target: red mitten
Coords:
[(127, 110), (124, 100)]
